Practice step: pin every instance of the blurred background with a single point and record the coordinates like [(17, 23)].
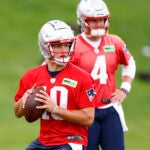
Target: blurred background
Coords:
[(20, 21)]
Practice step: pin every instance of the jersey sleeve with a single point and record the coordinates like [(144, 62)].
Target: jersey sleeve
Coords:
[(123, 53), (26, 82)]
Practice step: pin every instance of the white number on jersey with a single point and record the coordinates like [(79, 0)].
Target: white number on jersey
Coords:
[(63, 100), (99, 70)]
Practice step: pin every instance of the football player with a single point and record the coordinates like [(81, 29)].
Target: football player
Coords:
[(100, 54), (68, 98)]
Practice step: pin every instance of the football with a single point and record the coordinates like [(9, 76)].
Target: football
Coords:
[(31, 113)]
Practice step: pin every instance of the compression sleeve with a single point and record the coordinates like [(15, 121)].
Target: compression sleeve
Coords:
[(130, 69)]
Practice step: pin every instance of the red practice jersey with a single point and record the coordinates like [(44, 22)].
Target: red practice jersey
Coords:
[(101, 62), (72, 88)]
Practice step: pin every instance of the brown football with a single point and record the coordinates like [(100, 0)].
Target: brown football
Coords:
[(31, 113)]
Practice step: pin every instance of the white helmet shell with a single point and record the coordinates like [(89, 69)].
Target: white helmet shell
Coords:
[(55, 31), (92, 9)]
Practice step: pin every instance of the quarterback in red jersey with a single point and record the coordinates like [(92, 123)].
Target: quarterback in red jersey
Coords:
[(100, 54), (68, 98)]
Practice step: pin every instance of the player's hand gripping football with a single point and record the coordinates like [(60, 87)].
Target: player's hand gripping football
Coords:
[(26, 94), (48, 103)]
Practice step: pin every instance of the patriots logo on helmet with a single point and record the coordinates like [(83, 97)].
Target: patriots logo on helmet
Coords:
[(90, 94)]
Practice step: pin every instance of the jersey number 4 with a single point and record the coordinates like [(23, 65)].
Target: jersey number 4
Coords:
[(99, 70)]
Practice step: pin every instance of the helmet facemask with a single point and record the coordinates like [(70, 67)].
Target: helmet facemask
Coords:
[(89, 10), (64, 56), (98, 30), (56, 33)]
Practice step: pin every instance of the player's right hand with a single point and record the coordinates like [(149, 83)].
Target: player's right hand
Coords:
[(26, 94)]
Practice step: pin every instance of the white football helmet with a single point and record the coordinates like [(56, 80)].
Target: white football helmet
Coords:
[(55, 32), (93, 9)]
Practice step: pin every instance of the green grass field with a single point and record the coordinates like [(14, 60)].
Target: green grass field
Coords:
[(20, 24)]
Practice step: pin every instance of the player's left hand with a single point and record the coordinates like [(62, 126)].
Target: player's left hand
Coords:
[(118, 96), (48, 103)]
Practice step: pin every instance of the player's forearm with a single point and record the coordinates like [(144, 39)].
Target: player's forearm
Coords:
[(128, 74), (18, 108), (126, 84), (83, 117), (127, 79)]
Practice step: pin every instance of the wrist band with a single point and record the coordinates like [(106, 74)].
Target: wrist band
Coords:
[(54, 109), (126, 86), (124, 90)]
